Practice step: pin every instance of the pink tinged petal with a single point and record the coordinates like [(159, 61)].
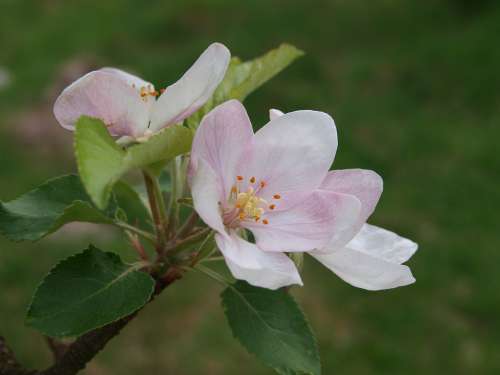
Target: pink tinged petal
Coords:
[(372, 260), (275, 113), (130, 79), (206, 196), (247, 262), (365, 185), (106, 96), (194, 88), (308, 225), (293, 152), (223, 136)]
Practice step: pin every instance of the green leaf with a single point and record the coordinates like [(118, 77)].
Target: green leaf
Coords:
[(99, 158), (101, 162), (242, 78), (270, 325), (129, 200), (161, 147), (47, 208), (87, 291)]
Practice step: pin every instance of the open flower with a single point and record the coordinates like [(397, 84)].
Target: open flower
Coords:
[(364, 255), (131, 107), (270, 184)]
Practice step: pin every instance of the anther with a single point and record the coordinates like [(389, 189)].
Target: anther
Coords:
[(239, 178), (265, 221), (277, 196), (272, 207), (252, 180), (262, 184)]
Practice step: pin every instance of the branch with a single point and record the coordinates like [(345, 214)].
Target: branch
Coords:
[(8, 362), (155, 197), (57, 348)]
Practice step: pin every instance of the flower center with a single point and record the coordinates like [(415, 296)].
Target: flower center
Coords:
[(247, 205)]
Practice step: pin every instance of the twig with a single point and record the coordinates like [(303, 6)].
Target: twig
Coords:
[(188, 225), (194, 238), (137, 245), (57, 348), (157, 205), (8, 362), (149, 236)]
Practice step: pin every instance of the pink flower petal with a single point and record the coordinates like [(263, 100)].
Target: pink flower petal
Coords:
[(293, 152), (372, 260), (247, 262), (221, 140), (206, 196), (194, 88), (308, 225), (275, 113), (107, 96), (131, 79), (365, 185)]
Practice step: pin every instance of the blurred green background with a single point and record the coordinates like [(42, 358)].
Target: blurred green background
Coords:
[(413, 87)]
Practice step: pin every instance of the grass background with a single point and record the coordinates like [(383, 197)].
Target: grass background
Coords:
[(413, 87)]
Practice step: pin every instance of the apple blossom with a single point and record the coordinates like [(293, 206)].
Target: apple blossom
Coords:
[(365, 256), (131, 107), (268, 183)]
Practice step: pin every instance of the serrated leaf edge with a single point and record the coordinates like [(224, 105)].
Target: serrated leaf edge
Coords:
[(54, 227), (316, 347), (91, 247)]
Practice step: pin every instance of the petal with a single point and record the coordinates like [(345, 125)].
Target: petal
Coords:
[(364, 271), (132, 80), (106, 96), (221, 139), (275, 113), (206, 196), (194, 88), (383, 244), (371, 260), (293, 152), (308, 225), (247, 262), (364, 184)]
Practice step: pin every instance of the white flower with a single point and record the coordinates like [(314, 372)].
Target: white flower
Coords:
[(131, 107), (363, 255), (267, 183)]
